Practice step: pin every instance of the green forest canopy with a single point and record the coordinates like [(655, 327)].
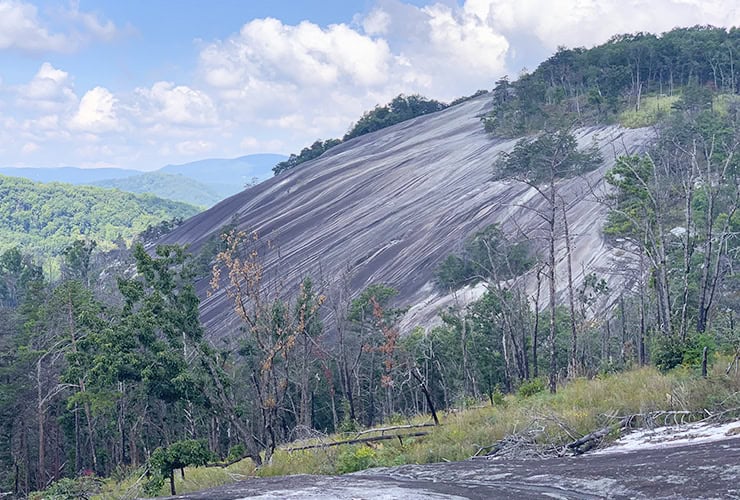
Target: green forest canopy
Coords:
[(47, 218), (596, 85)]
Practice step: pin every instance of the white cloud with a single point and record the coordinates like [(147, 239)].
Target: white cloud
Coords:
[(50, 89), (23, 28), (29, 148), (305, 54), (20, 28), (177, 105), (590, 22), (376, 23), (97, 112), (196, 147), (91, 23)]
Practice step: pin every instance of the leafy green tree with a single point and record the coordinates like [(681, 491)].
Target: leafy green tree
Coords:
[(180, 454), (312, 152), (400, 109)]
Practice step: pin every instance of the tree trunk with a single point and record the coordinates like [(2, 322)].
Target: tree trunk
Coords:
[(535, 330), (573, 365), (551, 272)]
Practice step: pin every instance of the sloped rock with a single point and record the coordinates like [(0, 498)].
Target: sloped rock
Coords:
[(388, 207)]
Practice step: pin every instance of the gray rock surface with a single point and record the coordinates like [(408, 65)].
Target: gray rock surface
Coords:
[(709, 470), (390, 206)]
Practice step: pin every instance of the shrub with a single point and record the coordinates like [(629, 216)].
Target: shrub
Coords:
[(531, 387), (81, 488), (356, 458), (236, 452), (668, 352)]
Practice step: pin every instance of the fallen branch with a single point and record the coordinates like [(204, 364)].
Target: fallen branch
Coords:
[(357, 441), (517, 445), (223, 465), (383, 430), (592, 439)]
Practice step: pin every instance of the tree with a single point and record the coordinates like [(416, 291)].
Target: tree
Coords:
[(540, 162), (180, 454), (272, 330)]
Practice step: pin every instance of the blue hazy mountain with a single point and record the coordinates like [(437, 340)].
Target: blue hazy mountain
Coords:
[(228, 176), (203, 182)]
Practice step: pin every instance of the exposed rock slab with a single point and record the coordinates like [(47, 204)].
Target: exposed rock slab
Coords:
[(708, 470), (388, 207)]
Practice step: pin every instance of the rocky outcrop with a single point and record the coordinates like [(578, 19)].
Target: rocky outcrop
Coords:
[(388, 207)]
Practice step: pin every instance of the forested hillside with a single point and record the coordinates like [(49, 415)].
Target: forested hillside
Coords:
[(550, 243), (615, 81), (44, 219), (168, 186)]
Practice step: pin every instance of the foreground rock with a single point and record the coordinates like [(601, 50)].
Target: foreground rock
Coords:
[(709, 469)]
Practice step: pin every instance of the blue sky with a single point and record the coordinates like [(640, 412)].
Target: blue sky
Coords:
[(140, 84)]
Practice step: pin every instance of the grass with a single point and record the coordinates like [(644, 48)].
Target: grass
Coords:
[(652, 108), (577, 409)]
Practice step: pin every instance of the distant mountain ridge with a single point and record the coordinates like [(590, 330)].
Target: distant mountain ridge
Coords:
[(202, 182), (174, 187)]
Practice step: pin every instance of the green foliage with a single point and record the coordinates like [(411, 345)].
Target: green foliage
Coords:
[(314, 151), (611, 81), (400, 109), (355, 458), (453, 273), (531, 387), (175, 187), (80, 488), (547, 156), (652, 110), (694, 350), (578, 408), (178, 455), (18, 275), (48, 218), (667, 352), (487, 255), (236, 452), (361, 309)]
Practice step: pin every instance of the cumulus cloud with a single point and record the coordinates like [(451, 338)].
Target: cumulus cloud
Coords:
[(50, 89), (96, 112), (23, 28), (590, 22), (20, 28), (305, 54), (175, 104)]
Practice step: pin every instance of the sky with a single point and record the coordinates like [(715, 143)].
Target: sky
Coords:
[(144, 83)]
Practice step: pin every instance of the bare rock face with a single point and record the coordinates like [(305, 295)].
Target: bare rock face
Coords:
[(388, 207)]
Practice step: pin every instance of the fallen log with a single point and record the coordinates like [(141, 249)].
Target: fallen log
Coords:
[(592, 439), (357, 441)]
